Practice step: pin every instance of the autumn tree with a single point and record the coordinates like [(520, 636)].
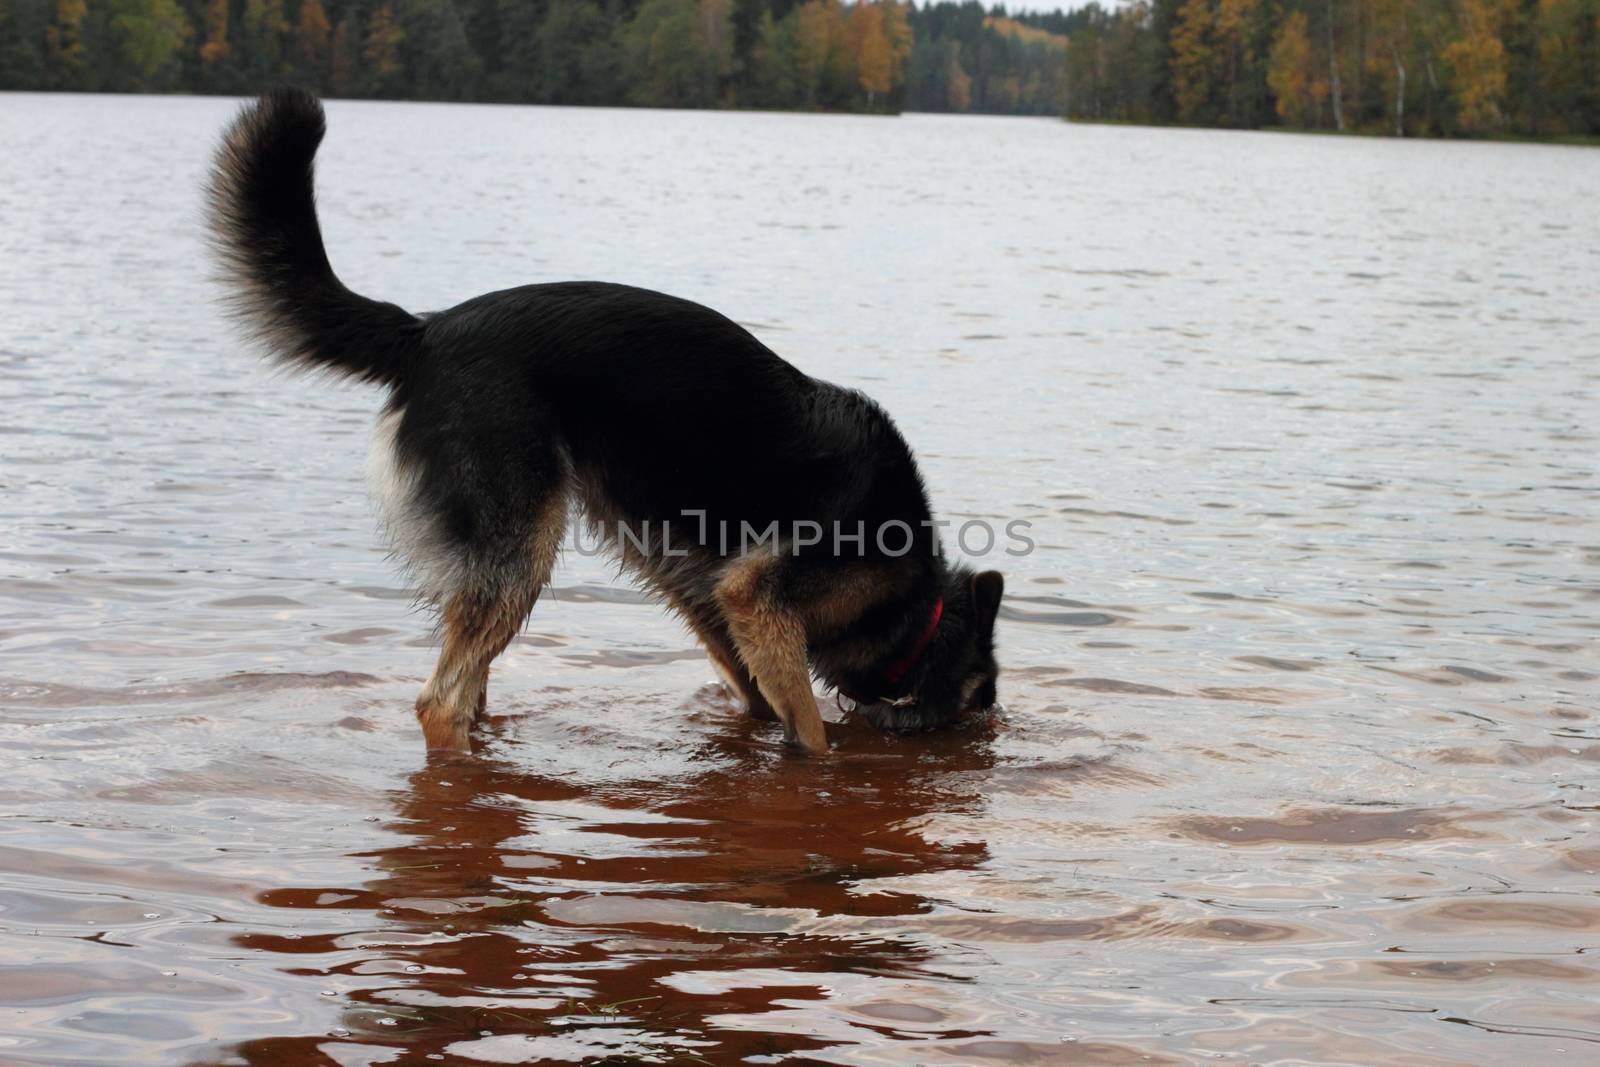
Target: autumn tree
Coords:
[(897, 28), (1239, 74), (1194, 62), (1289, 72), (812, 39), (380, 52), (870, 48), (313, 39), (64, 38), (214, 47), (1477, 58)]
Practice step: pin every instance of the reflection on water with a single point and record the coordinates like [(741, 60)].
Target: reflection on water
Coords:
[(1299, 752), (526, 917)]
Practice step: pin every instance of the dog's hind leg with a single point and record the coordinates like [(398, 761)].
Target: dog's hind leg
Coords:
[(474, 496), (476, 626), (478, 622)]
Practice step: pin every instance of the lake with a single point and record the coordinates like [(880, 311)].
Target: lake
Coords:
[(1299, 759)]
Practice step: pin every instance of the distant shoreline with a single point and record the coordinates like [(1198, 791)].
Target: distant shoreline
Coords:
[(1574, 140), (1565, 140)]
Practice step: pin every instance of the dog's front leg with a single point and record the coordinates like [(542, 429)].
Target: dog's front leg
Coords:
[(771, 640), (774, 648)]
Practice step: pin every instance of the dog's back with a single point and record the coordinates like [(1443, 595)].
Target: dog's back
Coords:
[(662, 406)]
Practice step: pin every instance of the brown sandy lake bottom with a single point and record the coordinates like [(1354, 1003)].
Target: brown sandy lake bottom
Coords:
[(1299, 754)]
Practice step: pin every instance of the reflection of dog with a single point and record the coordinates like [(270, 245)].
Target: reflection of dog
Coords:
[(667, 424)]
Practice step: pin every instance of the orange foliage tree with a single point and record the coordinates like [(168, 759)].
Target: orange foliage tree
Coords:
[(214, 45)]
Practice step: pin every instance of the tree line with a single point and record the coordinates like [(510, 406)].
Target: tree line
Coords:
[(1403, 67), (1397, 66), (802, 54)]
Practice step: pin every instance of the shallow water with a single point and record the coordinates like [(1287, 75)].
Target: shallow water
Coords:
[(1300, 752)]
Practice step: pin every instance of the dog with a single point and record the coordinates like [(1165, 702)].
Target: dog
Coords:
[(676, 435)]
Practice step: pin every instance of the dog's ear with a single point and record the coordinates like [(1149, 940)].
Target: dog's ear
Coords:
[(987, 589)]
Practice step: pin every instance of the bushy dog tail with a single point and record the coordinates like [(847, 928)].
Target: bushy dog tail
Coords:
[(262, 216)]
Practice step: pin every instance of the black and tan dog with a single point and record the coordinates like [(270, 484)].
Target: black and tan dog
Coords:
[(781, 516)]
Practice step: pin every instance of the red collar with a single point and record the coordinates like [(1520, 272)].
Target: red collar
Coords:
[(902, 666)]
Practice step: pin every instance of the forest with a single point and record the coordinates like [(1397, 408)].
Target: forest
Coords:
[(1403, 67), (810, 55)]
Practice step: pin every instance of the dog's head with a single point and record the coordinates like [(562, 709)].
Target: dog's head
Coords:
[(956, 672)]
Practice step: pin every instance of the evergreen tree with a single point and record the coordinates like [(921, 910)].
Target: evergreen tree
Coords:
[(577, 54), (24, 31), (433, 53)]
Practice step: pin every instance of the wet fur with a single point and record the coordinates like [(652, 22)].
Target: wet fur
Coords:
[(513, 409)]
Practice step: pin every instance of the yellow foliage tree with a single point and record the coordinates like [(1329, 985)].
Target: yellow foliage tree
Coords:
[(897, 27), (813, 34), (1478, 59), (869, 47), (64, 36), (1193, 60), (1289, 72)]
